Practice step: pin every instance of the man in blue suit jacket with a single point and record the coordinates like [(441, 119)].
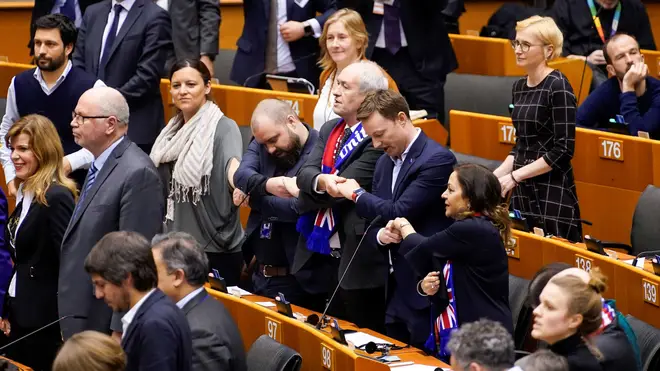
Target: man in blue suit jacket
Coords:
[(274, 157), (132, 61), (281, 40), (156, 335), (408, 181)]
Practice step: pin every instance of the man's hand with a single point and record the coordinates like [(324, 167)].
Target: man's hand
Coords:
[(291, 186), (276, 187), (596, 57), (5, 327), (346, 188), (66, 166), (240, 198), (636, 74), (292, 31), (208, 63), (329, 183), (389, 234), (12, 187)]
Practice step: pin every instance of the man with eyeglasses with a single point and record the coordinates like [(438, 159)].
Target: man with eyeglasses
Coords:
[(122, 192), (51, 89)]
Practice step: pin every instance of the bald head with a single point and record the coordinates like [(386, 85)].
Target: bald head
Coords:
[(109, 102), (274, 111), (101, 119)]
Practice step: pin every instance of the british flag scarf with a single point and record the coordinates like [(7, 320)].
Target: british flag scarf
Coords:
[(317, 227), (447, 321)]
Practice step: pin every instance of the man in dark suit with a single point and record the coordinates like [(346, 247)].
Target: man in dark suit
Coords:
[(156, 334), (409, 40), (126, 44), (182, 267), (280, 37), (281, 145), (324, 250), (122, 192), (408, 182)]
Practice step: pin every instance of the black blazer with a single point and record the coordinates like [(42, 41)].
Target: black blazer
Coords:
[(578, 355), (37, 257), (136, 61), (158, 338), (480, 265), (44, 7), (216, 339), (368, 270), (423, 24)]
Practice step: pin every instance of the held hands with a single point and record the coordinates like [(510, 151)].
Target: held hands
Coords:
[(240, 198), (347, 187), (277, 187), (330, 183), (389, 234), (292, 31), (431, 283), (291, 186), (636, 74)]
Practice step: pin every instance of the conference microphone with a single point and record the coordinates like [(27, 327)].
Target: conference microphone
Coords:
[(261, 73), (584, 68), (583, 221), (42, 328), (644, 255), (321, 320)]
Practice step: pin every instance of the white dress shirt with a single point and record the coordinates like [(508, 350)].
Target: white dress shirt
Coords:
[(128, 317), (127, 5), (27, 198), (165, 4), (324, 111), (77, 159), (285, 62), (181, 303), (60, 3)]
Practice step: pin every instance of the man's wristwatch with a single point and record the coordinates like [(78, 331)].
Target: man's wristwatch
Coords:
[(357, 193), (309, 31)]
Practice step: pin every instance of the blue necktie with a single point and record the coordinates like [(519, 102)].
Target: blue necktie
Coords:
[(110, 39), (91, 176), (391, 19), (69, 9)]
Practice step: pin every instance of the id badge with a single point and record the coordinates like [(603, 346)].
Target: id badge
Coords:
[(266, 231), (379, 8)]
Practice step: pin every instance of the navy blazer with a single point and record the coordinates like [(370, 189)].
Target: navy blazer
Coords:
[(250, 60), (136, 61), (417, 196), (256, 167), (158, 338)]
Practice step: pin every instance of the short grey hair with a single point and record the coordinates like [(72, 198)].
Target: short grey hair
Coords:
[(180, 250), (543, 360), (371, 76), (484, 342), (112, 103)]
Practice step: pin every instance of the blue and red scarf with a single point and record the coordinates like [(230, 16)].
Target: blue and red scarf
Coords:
[(317, 227)]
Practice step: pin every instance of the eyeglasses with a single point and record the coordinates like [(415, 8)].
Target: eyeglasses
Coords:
[(79, 119), (524, 46)]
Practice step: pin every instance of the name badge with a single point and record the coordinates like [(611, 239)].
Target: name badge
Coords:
[(266, 231), (379, 8)]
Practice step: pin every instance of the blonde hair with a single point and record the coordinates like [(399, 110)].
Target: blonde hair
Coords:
[(46, 146), (546, 30), (90, 351), (584, 298), (356, 29)]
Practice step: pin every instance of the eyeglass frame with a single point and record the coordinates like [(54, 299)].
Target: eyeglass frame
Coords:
[(75, 117), (516, 43)]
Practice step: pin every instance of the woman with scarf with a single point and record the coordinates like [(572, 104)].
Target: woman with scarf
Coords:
[(470, 254), (196, 155)]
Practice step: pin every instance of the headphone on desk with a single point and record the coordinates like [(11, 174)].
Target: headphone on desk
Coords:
[(384, 348)]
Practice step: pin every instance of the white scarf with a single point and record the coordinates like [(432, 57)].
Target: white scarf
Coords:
[(191, 146)]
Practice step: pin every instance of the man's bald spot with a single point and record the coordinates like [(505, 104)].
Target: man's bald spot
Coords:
[(103, 93), (273, 109), (109, 102)]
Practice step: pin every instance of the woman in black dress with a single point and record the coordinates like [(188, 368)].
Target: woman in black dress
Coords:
[(538, 168)]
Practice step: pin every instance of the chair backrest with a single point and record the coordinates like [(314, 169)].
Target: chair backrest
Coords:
[(645, 232), (521, 313), (648, 339), (266, 354)]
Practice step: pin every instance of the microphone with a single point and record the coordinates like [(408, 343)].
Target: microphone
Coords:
[(643, 255), (327, 306), (42, 328), (258, 74), (583, 221), (584, 68)]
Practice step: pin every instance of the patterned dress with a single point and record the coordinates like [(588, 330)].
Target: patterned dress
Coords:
[(544, 119)]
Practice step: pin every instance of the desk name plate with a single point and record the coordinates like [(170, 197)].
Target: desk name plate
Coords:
[(513, 251), (610, 149), (506, 133), (274, 329), (583, 262), (650, 292), (327, 357)]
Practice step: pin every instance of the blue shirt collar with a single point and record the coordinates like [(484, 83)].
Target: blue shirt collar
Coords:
[(186, 299), (100, 161)]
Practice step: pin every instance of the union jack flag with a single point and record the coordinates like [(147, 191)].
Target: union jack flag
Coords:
[(447, 321)]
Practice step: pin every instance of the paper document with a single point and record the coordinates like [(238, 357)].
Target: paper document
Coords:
[(640, 262), (266, 304), (360, 338), (232, 289), (417, 367)]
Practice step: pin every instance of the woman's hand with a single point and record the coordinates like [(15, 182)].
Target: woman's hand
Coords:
[(5, 327), (403, 226), (431, 283), (507, 184)]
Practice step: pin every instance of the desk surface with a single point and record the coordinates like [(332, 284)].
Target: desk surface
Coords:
[(315, 346)]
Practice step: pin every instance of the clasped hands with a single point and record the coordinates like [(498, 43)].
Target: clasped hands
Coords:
[(337, 186), (280, 186)]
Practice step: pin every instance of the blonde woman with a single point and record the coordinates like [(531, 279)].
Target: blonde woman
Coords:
[(343, 42), (45, 201), (538, 169), (90, 351)]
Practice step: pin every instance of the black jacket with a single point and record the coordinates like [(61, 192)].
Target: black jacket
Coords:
[(578, 355)]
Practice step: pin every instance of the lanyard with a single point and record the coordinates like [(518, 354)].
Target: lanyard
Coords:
[(599, 27)]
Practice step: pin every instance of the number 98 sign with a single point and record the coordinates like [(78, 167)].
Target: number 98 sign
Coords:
[(327, 357)]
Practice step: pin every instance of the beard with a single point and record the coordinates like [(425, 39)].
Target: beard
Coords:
[(287, 158), (50, 64)]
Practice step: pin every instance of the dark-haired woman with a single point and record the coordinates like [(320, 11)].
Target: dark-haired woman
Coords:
[(470, 252), (197, 154)]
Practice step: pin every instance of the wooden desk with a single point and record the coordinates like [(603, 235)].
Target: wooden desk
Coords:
[(315, 346), (18, 365), (494, 57), (629, 286)]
